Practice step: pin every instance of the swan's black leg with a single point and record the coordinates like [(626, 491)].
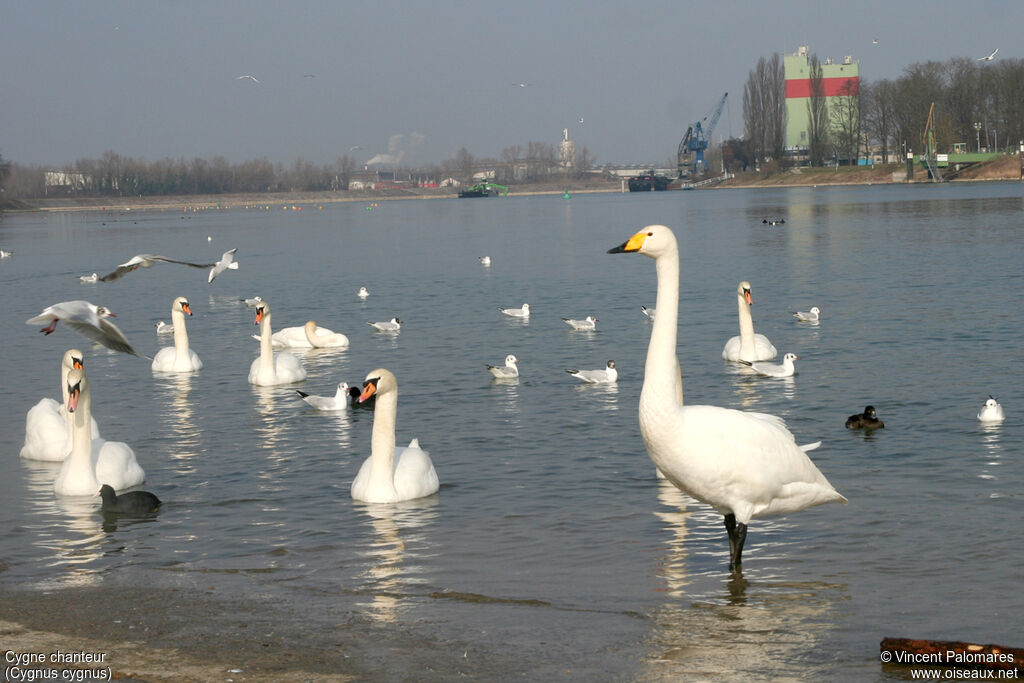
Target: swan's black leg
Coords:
[(737, 536)]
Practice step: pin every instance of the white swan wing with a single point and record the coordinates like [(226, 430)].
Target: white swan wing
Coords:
[(415, 476), (47, 436), (116, 465)]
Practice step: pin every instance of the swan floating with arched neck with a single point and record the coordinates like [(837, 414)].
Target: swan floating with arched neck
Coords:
[(745, 465), (178, 358), (92, 462), (390, 474), (747, 346), (271, 368)]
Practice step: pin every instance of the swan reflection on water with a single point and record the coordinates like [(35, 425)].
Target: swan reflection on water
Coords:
[(392, 572), (178, 414)]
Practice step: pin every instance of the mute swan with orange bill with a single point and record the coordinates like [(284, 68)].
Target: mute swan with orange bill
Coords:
[(747, 346)]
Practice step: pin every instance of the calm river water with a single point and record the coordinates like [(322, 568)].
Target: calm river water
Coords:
[(551, 549)]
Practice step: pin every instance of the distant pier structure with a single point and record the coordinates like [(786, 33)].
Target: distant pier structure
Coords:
[(566, 150)]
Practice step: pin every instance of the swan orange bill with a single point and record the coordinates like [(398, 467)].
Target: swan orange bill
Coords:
[(748, 296), (369, 389), (259, 315), (185, 307)]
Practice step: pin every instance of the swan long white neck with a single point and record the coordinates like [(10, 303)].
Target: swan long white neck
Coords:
[(81, 467), (266, 345), (181, 355), (661, 370), (382, 440), (747, 348)]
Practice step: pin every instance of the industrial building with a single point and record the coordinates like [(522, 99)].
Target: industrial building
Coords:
[(838, 81)]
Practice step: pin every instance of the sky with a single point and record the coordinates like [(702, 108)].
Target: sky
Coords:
[(413, 82)]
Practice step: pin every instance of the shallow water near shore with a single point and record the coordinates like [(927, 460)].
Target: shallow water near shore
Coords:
[(550, 549)]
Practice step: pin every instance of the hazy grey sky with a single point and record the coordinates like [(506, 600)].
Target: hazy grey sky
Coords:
[(422, 79)]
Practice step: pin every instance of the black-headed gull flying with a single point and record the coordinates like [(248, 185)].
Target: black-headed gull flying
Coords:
[(147, 261), (227, 262), (989, 58), (607, 375), (87, 319)]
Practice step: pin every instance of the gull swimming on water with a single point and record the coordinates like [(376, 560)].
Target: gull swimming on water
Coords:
[(363, 293), (86, 279), (393, 325), (587, 324), (164, 328), (607, 375), (648, 312), (485, 260), (523, 312), (88, 320), (341, 400), (508, 371), (991, 411), (810, 316), (6, 254), (784, 369)]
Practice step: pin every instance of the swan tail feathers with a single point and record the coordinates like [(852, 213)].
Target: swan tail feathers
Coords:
[(810, 446)]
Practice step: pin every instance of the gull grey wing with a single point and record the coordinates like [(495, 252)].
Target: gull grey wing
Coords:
[(107, 334), (184, 263), (119, 273)]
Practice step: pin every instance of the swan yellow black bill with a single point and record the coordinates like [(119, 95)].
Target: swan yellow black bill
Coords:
[(634, 243)]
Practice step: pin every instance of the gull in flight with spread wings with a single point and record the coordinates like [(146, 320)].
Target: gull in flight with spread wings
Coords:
[(87, 319), (149, 260), (247, 77), (989, 58)]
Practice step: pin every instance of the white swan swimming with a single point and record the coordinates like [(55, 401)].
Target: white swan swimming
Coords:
[(991, 411), (178, 358), (787, 368), (510, 370), (745, 465), (390, 474), (747, 346), (269, 368), (47, 423), (606, 375), (92, 462)]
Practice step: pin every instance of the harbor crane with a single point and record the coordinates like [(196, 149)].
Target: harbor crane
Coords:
[(690, 156)]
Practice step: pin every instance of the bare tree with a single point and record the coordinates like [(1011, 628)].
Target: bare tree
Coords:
[(817, 115), (878, 102), (764, 108), (845, 119)]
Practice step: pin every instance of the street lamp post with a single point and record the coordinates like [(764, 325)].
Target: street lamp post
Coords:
[(977, 130)]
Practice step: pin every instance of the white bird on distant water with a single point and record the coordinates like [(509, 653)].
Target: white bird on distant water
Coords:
[(86, 319), (363, 293), (784, 369), (747, 345), (744, 465), (341, 400), (588, 324), (6, 254), (146, 261), (393, 325), (86, 279), (607, 375), (648, 312), (810, 316), (523, 312), (508, 371), (227, 262), (989, 58), (164, 328), (253, 302), (991, 411), (485, 260), (247, 77)]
